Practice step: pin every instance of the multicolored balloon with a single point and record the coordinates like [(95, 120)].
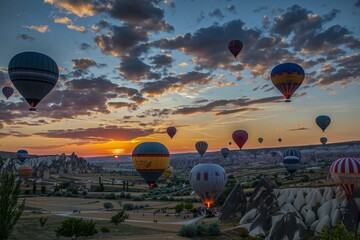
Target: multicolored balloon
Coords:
[(240, 137), (225, 152), (346, 173), (287, 77), (171, 131), (34, 75), (25, 172), (208, 180), (201, 147), (168, 171), (22, 155), (260, 140), (7, 91), (235, 47), (150, 159), (323, 140), (323, 122)]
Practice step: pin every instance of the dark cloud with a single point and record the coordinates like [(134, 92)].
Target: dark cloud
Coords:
[(299, 129), (85, 46), (102, 24), (357, 4), (227, 112), (140, 13), (133, 69), (261, 8), (132, 94), (231, 8), (200, 17), (216, 13), (176, 83), (85, 63), (161, 60), (119, 105), (201, 101), (107, 133), (25, 37)]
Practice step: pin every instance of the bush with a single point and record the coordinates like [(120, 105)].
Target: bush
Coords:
[(338, 232), (59, 194), (128, 195), (110, 196), (163, 198), (188, 231), (84, 193), (128, 206), (27, 191), (104, 230), (200, 229), (119, 218), (74, 228), (213, 229), (122, 195), (138, 198), (108, 205), (154, 198), (42, 221), (69, 194), (43, 189)]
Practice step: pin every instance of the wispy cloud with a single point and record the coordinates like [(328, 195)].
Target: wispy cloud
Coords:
[(40, 28)]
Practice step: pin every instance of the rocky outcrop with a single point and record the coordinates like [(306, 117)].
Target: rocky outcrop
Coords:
[(234, 206), (288, 227), (264, 192), (351, 217)]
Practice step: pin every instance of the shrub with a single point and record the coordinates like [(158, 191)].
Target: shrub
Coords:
[(43, 189), (27, 191), (139, 198), (104, 230), (128, 206), (163, 198), (84, 193), (338, 232), (73, 228), (213, 229), (188, 231), (42, 221), (128, 195), (110, 196), (69, 194), (119, 218), (200, 229), (108, 205), (59, 194)]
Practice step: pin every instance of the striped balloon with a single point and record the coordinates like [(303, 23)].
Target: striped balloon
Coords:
[(201, 147), (168, 171), (7, 91), (25, 172), (208, 180), (346, 173), (291, 164), (292, 152), (150, 160), (34, 75)]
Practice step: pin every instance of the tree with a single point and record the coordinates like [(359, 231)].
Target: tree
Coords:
[(108, 205), (42, 221), (188, 206), (34, 187), (10, 210), (43, 189), (179, 208), (337, 233), (120, 217), (73, 228)]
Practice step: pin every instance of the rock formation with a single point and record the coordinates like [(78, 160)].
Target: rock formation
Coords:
[(234, 206)]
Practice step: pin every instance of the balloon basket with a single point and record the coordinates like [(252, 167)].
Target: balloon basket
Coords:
[(32, 109), (287, 100)]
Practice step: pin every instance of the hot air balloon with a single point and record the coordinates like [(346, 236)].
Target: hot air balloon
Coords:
[(323, 140), (346, 173), (225, 152), (287, 77), (150, 160), (323, 122), (34, 75), (279, 140), (25, 172), (229, 143), (235, 47), (171, 131), (292, 153), (260, 140), (201, 147), (240, 137), (7, 91), (208, 181), (168, 171), (291, 163), (22, 155)]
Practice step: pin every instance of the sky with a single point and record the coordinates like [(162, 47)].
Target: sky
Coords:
[(130, 69)]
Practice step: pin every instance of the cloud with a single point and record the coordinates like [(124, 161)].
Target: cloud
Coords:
[(240, 110), (41, 28), (231, 8), (133, 69), (261, 8), (183, 64), (200, 17), (357, 4), (25, 37), (85, 63), (102, 24), (107, 133), (80, 8), (85, 46), (77, 28), (298, 129), (218, 105), (176, 83), (62, 20), (161, 60), (216, 13)]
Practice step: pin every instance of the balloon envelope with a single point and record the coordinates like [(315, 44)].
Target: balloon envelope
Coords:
[(323, 122), (323, 140), (150, 160), (346, 173), (260, 140), (201, 147), (25, 172), (279, 140), (235, 47), (171, 131), (208, 181), (291, 163), (292, 153), (225, 152), (287, 77), (34, 75), (168, 171), (240, 137), (22, 155), (7, 91)]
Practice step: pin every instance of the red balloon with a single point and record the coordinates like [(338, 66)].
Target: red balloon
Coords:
[(240, 137), (171, 131)]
